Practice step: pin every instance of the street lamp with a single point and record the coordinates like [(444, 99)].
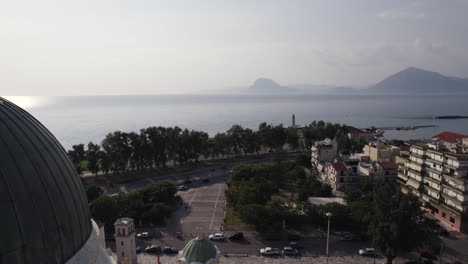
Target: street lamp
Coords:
[(329, 215)]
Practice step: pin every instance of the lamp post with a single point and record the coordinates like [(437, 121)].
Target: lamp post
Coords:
[(329, 215)]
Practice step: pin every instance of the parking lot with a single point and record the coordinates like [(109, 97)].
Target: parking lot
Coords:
[(203, 210)]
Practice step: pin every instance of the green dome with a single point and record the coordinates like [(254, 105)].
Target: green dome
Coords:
[(199, 251)]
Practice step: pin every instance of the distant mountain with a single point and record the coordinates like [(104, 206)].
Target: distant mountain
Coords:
[(268, 86), (264, 85), (413, 80)]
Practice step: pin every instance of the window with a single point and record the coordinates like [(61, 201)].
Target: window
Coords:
[(123, 254), (341, 179), (121, 243), (444, 215), (452, 220)]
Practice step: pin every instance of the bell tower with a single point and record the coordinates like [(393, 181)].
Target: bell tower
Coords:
[(125, 241)]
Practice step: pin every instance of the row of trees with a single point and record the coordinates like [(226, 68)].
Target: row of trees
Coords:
[(155, 146), (150, 205)]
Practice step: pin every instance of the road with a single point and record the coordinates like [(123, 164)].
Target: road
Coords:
[(215, 174)]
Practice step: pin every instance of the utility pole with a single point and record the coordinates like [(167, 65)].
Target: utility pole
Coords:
[(329, 215)]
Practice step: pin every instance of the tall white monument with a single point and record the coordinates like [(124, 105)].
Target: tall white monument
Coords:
[(125, 241)]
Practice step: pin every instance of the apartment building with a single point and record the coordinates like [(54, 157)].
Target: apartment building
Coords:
[(437, 173), (338, 175), (378, 151), (323, 152)]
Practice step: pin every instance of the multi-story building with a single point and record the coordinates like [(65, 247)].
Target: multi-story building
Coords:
[(381, 172), (378, 151), (437, 174), (464, 145), (338, 175), (451, 141), (323, 151)]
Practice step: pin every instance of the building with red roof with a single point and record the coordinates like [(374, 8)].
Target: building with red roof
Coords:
[(450, 140)]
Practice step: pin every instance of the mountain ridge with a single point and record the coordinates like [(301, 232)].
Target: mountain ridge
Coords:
[(410, 80)]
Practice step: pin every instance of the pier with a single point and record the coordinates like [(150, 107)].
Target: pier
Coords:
[(399, 128)]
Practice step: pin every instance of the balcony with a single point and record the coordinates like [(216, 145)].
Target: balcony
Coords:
[(458, 181), (430, 188), (454, 189), (429, 179), (402, 176), (453, 199)]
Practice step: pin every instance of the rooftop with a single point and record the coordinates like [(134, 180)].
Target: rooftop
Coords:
[(339, 166), (325, 200), (123, 221), (449, 137)]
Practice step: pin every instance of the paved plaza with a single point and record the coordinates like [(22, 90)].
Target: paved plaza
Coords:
[(204, 210)]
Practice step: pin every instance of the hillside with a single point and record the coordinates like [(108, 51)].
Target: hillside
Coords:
[(414, 80)]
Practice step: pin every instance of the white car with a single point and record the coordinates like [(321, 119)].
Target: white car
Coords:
[(367, 251), (268, 251), (217, 236), (143, 235)]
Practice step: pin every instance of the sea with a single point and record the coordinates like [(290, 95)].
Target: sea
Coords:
[(81, 119)]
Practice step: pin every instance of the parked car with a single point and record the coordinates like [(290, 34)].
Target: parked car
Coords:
[(143, 235), (268, 251), (153, 249), (206, 180), (217, 236), (170, 250), (296, 245), (346, 237), (289, 251), (237, 236), (183, 188), (137, 249), (367, 252)]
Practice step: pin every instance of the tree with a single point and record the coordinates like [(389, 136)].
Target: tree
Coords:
[(292, 137), (236, 132), (160, 191), (93, 192), (92, 156), (394, 223), (77, 155), (117, 147), (105, 209), (304, 159)]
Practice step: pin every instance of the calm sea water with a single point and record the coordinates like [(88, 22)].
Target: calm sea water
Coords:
[(82, 119)]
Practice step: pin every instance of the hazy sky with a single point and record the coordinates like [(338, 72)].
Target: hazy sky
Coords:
[(96, 47)]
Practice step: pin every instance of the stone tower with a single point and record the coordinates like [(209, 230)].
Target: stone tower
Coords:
[(293, 120), (125, 241)]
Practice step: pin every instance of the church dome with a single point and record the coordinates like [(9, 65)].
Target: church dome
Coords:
[(45, 215), (199, 251)]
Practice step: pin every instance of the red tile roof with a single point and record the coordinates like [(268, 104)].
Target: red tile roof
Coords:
[(339, 166), (388, 165), (450, 137)]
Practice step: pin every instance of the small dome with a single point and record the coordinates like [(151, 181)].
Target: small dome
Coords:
[(45, 215), (199, 251)]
